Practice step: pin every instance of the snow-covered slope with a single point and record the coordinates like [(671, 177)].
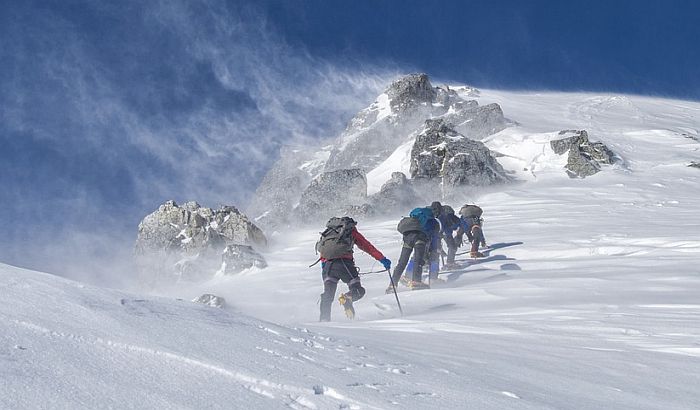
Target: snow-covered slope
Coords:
[(588, 299)]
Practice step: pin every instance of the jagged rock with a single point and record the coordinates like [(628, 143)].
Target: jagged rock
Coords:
[(410, 91), (375, 132), (370, 137), (186, 242), (237, 258), (396, 193), (211, 300), (585, 157), (477, 122), (330, 194), (694, 164), (441, 152), (359, 211)]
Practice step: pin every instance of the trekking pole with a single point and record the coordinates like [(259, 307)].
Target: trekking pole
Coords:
[(372, 271), (393, 286)]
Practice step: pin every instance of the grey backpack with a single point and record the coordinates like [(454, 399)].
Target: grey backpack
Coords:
[(337, 239), (471, 211), (409, 224)]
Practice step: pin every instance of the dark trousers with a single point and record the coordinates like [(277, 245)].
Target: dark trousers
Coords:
[(333, 271), (451, 247), (413, 242), (476, 237)]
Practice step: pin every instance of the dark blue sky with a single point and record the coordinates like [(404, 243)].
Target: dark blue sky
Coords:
[(644, 47), (108, 109)]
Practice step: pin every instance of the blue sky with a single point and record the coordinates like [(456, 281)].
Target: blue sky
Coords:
[(108, 109)]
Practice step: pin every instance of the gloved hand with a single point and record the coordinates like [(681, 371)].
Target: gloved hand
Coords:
[(386, 262)]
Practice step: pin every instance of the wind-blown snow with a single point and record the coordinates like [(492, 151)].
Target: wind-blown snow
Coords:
[(587, 300), (383, 106)]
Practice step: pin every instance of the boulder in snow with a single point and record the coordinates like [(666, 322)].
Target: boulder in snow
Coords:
[(187, 241), (210, 300), (585, 157), (236, 258), (441, 153)]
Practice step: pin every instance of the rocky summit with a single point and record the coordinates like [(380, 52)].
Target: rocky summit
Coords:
[(375, 132), (297, 179)]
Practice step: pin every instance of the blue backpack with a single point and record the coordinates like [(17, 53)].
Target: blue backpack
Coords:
[(423, 215)]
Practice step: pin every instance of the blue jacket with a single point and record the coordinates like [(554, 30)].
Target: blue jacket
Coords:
[(449, 223), (465, 226), (432, 229)]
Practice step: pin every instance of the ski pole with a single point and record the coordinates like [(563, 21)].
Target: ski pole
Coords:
[(393, 286), (374, 271)]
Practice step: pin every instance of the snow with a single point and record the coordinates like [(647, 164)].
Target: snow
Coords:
[(588, 298), (398, 161), (383, 106)]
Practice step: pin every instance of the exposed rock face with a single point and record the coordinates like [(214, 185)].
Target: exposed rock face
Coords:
[(410, 91), (187, 241), (585, 157), (477, 122), (375, 132), (441, 152), (237, 258), (370, 137), (694, 164), (211, 300), (330, 194), (396, 194)]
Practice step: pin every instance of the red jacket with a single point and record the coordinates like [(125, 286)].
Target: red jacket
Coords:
[(364, 245)]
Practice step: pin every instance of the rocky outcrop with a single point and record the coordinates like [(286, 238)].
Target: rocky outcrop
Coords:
[(375, 132), (211, 300), (585, 157), (358, 212), (330, 194), (441, 152), (187, 241), (396, 194), (371, 136), (476, 121), (410, 91), (237, 258), (694, 164)]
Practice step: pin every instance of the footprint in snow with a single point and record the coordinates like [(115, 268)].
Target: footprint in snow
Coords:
[(382, 306), (424, 394)]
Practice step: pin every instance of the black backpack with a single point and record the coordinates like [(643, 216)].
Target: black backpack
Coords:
[(337, 239)]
